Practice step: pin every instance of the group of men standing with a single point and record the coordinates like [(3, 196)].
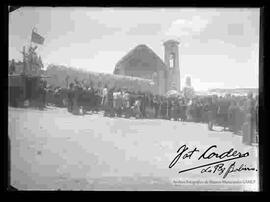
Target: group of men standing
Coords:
[(120, 102), (233, 113), (236, 114), (81, 99)]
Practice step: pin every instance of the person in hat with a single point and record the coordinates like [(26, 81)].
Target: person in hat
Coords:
[(12, 67), (249, 128), (75, 108), (212, 113), (70, 97), (104, 96), (155, 103)]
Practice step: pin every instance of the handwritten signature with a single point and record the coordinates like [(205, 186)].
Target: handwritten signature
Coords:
[(214, 167)]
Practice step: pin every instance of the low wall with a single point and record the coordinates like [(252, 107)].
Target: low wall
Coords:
[(61, 76)]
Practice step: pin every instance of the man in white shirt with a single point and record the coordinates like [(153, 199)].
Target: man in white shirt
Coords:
[(104, 95)]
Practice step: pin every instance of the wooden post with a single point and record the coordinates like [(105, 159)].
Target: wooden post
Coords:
[(24, 61), (24, 73)]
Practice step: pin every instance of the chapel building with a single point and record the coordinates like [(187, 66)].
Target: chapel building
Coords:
[(145, 63)]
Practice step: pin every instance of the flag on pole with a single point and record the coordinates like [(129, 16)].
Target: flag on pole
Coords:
[(36, 38)]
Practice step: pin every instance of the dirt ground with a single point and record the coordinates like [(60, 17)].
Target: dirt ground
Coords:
[(55, 150)]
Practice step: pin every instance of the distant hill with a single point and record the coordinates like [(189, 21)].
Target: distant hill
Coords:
[(234, 90)]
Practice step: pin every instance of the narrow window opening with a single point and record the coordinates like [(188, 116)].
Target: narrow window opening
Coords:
[(172, 60)]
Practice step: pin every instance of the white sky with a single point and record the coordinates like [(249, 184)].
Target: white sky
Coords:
[(219, 48)]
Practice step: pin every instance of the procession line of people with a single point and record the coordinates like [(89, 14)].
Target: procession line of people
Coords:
[(238, 114)]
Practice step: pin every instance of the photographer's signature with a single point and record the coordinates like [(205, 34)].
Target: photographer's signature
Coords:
[(216, 166)]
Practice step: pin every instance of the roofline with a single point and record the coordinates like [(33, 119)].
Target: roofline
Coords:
[(171, 41), (128, 54)]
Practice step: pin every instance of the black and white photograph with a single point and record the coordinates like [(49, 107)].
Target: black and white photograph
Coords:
[(134, 98)]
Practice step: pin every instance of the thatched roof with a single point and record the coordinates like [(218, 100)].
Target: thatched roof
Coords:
[(59, 75), (141, 47)]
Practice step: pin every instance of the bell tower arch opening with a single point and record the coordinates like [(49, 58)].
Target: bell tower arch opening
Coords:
[(171, 59)]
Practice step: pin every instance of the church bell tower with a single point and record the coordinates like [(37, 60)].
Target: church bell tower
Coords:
[(171, 59)]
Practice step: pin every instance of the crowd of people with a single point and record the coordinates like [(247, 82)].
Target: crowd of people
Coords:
[(230, 112)]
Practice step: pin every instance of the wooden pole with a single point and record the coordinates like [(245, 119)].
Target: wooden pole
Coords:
[(24, 72), (30, 51), (24, 61)]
